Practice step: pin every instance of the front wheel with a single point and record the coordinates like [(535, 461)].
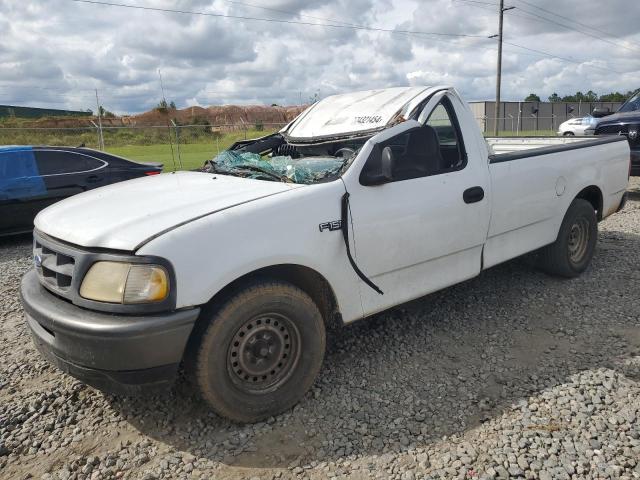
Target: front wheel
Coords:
[(572, 251), (260, 352)]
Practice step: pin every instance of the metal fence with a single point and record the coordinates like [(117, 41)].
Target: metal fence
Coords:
[(110, 137), (189, 146), (513, 125)]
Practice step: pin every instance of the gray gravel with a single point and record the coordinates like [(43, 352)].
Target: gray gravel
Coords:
[(511, 375)]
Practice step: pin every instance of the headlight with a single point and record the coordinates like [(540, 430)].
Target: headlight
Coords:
[(127, 283)]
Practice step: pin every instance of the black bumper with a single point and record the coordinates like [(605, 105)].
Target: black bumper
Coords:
[(635, 162), (116, 353)]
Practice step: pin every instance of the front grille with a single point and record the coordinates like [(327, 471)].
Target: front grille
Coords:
[(55, 268), (612, 129)]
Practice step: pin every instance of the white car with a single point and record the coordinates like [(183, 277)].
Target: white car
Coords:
[(578, 126), (363, 202)]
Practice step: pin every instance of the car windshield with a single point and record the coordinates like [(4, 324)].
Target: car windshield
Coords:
[(631, 105), (281, 168)]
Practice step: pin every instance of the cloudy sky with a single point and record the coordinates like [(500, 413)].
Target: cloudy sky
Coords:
[(54, 53)]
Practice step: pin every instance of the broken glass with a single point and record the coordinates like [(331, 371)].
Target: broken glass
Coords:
[(300, 170)]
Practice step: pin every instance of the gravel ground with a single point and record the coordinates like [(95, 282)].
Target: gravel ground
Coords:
[(512, 374)]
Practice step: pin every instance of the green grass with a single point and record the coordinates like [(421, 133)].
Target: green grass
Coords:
[(192, 155)]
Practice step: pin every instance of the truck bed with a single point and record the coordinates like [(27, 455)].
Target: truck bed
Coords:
[(498, 145)]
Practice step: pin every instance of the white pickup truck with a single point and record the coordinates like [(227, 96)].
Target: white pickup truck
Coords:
[(364, 201)]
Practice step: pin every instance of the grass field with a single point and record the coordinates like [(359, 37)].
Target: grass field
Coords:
[(192, 155)]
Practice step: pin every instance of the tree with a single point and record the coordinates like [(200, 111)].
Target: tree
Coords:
[(105, 113), (554, 97), (532, 97), (162, 106), (614, 97), (591, 96)]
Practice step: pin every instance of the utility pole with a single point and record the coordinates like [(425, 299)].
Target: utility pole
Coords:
[(101, 138), (499, 69)]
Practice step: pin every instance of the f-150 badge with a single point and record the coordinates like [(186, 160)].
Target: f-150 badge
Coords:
[(331, 226)]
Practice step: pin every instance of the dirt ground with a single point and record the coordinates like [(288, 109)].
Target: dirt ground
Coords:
[(513, 374)]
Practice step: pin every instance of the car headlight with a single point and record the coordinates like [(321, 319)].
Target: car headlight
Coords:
[(126, 283)]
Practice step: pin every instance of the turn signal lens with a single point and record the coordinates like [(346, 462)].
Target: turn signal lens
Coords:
[(146, 283), (119, 282)]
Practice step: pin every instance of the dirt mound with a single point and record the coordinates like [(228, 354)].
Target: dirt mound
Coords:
[(224, 115)]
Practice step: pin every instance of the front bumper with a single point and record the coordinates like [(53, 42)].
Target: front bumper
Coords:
[(116, 353)]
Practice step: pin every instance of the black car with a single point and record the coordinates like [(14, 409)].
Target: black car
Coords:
[(626, 121), (32, 178)]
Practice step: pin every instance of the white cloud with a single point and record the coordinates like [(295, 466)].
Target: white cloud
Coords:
[(55, 52)]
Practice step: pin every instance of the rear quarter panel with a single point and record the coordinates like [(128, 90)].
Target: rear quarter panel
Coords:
[(531, 195)]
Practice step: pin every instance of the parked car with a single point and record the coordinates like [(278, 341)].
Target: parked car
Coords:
[(363, 202), (626, 121), (578, 126), (32, 178)]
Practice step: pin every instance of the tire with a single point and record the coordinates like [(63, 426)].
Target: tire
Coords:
[(573, 250), (568, 134), (260, 352)]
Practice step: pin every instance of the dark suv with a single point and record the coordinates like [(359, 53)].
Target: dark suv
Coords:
[(32, 178), (626, 121)]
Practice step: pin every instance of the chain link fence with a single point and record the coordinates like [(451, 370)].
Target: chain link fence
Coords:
[(189, 146), (109, 136), (513, 125)]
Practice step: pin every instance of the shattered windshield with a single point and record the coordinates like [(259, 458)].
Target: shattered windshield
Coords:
[(281, 168), (279, 161)]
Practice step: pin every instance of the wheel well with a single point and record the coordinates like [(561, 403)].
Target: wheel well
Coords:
[(593, 195), (305, 278)]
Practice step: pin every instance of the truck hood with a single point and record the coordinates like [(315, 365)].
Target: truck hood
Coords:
[(623, 117), (124, 215)]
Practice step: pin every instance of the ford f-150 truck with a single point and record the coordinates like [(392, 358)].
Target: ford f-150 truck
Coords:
[(364, 201)]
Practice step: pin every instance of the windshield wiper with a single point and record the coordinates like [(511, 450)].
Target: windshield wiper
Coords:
[(240, 168), (255, 168)]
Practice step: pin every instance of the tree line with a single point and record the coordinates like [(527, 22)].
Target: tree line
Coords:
[(588, 97)]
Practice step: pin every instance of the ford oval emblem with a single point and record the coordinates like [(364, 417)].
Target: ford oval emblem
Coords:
[(37, 260)]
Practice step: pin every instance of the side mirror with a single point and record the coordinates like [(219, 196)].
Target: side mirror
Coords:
[(379, 167)]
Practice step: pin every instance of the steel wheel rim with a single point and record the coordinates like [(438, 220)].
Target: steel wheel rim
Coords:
[(263, 352), (578, 240)]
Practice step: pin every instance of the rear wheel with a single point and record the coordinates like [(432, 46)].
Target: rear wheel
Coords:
[(260, 352), (572, 251)]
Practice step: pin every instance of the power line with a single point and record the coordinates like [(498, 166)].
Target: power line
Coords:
[(577, 62), (296, 22), (572, 20), (271, 20), (568, 27), (482, 5), (287, 12)]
